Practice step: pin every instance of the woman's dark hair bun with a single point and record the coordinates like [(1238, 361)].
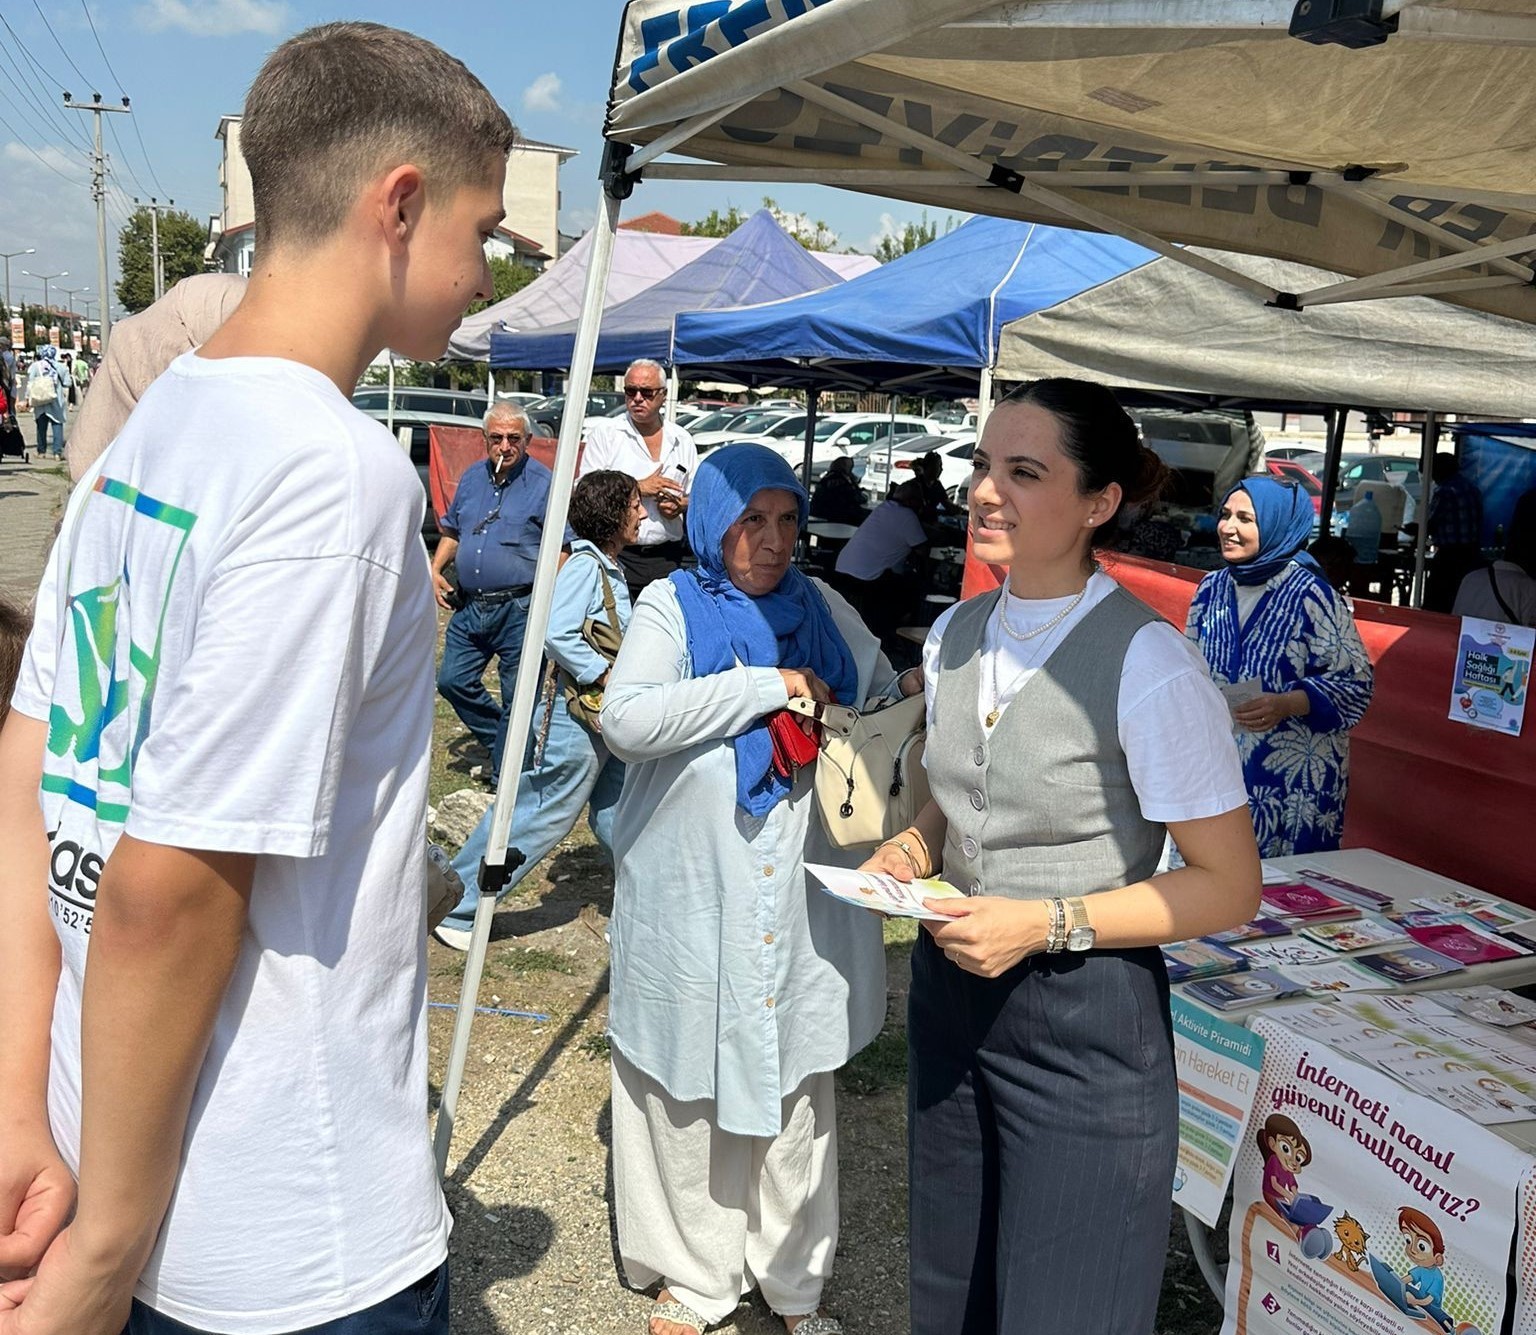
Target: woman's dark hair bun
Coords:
[(1102, 439)]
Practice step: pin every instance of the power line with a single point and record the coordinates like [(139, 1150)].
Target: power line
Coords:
[(43, 134), (123, 157), (134, 121), (70, 130), (67, 57), (9, 130), (103, 50)]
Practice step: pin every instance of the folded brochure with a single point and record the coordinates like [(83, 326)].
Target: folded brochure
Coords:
[(883, 894)]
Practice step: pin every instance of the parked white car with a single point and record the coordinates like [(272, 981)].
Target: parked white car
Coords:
[(954, 425), (789, 427), (954, 455), (740, 427), (840, 435)]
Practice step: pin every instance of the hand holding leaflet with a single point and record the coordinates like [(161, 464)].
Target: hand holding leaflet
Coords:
[(883, 894)]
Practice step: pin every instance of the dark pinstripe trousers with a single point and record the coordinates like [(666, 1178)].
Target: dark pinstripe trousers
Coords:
[(1043, 1124)]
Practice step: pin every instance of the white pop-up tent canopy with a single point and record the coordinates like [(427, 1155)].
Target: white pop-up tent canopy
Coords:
[(1164, 326), (1387, 141)]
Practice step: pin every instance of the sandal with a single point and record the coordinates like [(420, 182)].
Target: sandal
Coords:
[(681, 1314), (817, 1324)]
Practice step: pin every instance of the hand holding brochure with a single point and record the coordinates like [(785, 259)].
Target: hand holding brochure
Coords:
[(883, 894)]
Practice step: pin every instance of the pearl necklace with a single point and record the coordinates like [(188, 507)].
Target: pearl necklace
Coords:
[(1002, 620)]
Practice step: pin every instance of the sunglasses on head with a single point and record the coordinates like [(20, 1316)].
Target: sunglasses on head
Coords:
[(644, 391)]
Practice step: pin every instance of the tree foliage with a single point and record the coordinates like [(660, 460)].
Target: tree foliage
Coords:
[(894, 246), (811, 235), (182, 239)]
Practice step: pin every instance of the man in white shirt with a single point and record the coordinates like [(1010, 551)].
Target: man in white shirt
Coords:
[(214, 772), (870, 569), (661, 458)]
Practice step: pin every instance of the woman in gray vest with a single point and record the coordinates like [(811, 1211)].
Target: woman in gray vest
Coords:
[(1068, 725)]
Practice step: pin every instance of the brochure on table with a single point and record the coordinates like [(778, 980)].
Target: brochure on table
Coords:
[(1218, 1065), (1492, 676), (1361, 1206)]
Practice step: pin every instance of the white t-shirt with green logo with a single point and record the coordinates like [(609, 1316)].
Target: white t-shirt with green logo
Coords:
[(245, 665)]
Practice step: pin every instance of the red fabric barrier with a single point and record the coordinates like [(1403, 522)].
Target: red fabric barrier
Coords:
[(1441, 795), (450, 452), (452, 449)]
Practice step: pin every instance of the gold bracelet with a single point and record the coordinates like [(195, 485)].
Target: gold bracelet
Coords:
[(907, 853)]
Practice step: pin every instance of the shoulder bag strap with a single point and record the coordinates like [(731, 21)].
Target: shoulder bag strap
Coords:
[(1493, 583)]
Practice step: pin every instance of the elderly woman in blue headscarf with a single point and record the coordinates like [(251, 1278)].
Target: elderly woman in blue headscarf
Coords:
[(737, 988), (1283, 647)]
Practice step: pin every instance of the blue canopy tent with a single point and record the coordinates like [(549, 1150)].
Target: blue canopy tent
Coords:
[(929, 321), (758, 262)]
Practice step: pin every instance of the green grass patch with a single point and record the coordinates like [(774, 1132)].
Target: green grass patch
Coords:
[(882, 1065), (520, 961), (595, 1046)]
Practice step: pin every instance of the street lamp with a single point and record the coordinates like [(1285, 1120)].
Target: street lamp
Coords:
[(47, 278), (70, 293), (9, 256)]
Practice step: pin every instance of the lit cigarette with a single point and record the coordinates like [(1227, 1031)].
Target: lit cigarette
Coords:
[(500, 460)]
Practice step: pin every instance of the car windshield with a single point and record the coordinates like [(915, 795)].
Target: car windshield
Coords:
[(828, 427), (786, 426), (752, 423)]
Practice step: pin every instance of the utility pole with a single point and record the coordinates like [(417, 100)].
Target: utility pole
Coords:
[(99, 193), (10, 255), (155, 210)]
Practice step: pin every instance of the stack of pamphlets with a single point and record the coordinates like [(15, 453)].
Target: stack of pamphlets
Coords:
[(1297, 902), (1360, 896), (1360, 934), (1242, 989), (1188, 960)]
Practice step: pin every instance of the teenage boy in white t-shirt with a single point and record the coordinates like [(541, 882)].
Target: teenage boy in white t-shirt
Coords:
[(214, 773)]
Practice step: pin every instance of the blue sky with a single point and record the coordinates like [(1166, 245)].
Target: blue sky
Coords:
[(185, 63)]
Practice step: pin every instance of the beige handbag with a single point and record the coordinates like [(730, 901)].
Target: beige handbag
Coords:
[(870, 780)]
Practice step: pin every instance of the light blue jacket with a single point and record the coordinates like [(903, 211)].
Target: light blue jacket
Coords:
[(579, 595)]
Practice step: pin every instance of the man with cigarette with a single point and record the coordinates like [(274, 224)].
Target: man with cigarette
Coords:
[(491, 533), (662, 459)]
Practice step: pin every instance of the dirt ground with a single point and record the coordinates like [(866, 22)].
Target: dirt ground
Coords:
[(529, 1170)]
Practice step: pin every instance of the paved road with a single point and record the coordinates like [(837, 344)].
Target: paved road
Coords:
[(31, 500)]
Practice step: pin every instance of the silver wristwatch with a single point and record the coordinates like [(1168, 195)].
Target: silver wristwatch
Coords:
[(1080, 933)]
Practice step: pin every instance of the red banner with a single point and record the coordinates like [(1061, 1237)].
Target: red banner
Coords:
[(453, 449), (1445, 797)]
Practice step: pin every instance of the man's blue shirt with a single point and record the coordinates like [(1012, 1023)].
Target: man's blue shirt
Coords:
[(509, 520)]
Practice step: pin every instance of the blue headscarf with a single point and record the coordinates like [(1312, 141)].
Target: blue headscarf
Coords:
[(1284, 514), (48, 352), (791, 626)]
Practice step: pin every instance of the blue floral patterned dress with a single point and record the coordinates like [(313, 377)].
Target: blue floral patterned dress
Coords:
[(1300, 635)]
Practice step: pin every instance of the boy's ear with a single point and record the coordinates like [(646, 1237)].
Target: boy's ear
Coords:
[(401, 199)]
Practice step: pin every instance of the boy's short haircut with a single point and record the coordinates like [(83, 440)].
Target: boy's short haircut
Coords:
[(1416, 1221), (15, 625), (340, 102)]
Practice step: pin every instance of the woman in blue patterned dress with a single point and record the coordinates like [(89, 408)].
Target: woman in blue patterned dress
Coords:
[(1271, 621)]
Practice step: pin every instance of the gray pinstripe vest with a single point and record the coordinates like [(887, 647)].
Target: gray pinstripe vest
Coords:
[(1044, 806)]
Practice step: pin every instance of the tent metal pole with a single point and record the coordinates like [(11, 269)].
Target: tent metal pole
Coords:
[(890, 439), (811, 398), (1338, 421), (1427, 450), (490, 383), (495, 869), (984, 397), (1373, 283), (672, 383)]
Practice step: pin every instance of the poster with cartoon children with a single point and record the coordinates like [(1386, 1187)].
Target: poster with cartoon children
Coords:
[(1359, 1205)]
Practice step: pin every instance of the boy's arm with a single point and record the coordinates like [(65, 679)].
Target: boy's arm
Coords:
[(36, 1189), (164, 943)]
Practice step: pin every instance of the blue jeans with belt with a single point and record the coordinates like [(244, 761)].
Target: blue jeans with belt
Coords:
[(478, 632), (575, 770), (421, 1309)]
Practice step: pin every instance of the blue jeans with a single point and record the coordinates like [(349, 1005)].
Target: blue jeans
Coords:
[(420, 1309), (576, 769), (477, 633), (42, 419)]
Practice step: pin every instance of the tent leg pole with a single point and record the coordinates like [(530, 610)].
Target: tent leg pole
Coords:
[(811, 396), (1338, 420), (672, 395), (1421, 539), (890, 442), (984, 400), (490, 383), (529, 668)]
